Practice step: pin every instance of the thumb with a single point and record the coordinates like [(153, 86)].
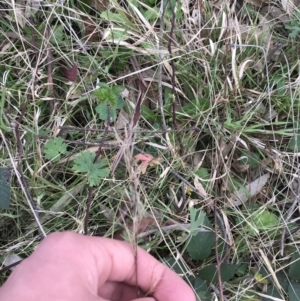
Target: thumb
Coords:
[(144, 299)]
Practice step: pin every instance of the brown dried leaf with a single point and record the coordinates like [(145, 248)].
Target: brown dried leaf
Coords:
[(146, 160), (199, 186), (92, 32), (241, 196), (122, 121), (145, 224), (70, 73)]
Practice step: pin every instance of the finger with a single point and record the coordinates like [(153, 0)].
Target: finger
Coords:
[(117, 291), (144, 299), (150, 275)]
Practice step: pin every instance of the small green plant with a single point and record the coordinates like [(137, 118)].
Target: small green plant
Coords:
[(200, 247), (54, 148), (294, 25), (95, 171), (209, 273), (201, 243), (261, 221), (109, 101)]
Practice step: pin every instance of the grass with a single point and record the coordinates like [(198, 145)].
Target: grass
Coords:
[(219, 116)]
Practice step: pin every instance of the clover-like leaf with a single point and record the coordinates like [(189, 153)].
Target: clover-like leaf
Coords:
[(54, 148), (95, 171)]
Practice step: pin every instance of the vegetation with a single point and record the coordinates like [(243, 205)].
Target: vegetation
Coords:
[(173, 127)]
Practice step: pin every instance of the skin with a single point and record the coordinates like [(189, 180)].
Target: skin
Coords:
[(72, 267)]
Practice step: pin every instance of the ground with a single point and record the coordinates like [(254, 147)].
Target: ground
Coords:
[(170, 124)]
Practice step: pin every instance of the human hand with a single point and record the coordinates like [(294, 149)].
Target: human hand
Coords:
[(72, 267)]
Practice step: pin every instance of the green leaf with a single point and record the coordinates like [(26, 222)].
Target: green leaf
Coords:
[(117, 35), (280, 276), (272, 292), (261, 221), (54, 148), (294, 270), (294, 27), (202, 173), (201, 244), (265, 220), (112, 17), (117, 89), (95, 172), (106, 95), (101, 84), (195, 107), (178, 13), (294, 143), (152, 13), (120, 102), (118, 17), (175, 265), (200, 287), (294, 292), (197, 220), (148, 114), (109, 95), (103, 110), (58, 35), (4, 188), (209, 273), (242, 269)]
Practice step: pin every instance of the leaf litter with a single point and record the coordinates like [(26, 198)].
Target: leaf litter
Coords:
[(146, 160)]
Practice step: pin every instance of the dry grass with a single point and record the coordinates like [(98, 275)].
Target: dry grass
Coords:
[(219, 115)]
